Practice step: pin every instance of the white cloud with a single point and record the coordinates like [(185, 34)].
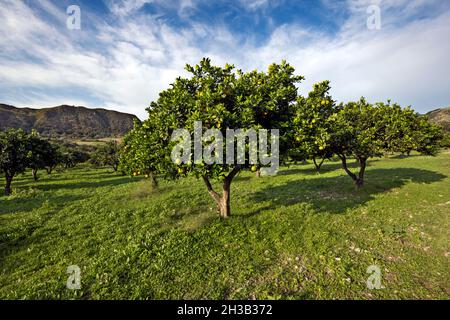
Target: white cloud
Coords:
[(254, 4), (138, 57), (125, 7)]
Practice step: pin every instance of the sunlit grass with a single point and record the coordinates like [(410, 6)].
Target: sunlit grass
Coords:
[(298, 235)]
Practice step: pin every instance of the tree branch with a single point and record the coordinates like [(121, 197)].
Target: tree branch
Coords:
[(211, 191), (344, 165)]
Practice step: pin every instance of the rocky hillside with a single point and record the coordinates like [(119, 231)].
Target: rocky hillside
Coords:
[(67, 121), (441, 117)]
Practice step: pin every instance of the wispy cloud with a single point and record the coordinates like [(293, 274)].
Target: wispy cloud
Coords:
[(126, 59)]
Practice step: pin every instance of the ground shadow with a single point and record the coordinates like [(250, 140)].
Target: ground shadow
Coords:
[(113, 181), (326, 167), (337, 194), (26, 178), (9, 206), (405, 156)]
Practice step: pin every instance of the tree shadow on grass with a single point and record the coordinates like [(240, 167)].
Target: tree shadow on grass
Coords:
[(27, 179), (337, 194), (114, 181), (326, 167), (29, 204), (405, 156)]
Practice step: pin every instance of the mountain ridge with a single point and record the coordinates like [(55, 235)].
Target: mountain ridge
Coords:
[(67, 121), (441, 117)]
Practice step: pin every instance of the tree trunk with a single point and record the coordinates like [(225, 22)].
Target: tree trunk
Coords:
[(49, 170), (223, 201), (318, 165), (35, 176), (362, 169), (357, 179), (8, 184), (153, 180)]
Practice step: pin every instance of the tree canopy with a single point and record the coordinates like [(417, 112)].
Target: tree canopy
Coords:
[(209, 102)]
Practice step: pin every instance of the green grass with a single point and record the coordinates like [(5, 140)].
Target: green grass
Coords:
[(298, 235)]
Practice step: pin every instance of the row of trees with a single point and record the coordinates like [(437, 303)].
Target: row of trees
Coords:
[(358, 130), (313, 127), (20, 151)]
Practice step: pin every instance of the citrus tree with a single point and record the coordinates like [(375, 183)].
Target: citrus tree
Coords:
[(14, 158), (141, 151), (359, 132), (52, 158), (71, 155), (400, 130), (362, 131), (407, 130), (213, 101), (107, 155), (312, 126), (41, 154), (428, 136)]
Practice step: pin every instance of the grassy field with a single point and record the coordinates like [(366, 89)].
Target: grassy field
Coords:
[(298, 235)]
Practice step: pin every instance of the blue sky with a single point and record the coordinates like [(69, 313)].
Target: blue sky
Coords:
[(126, 52)]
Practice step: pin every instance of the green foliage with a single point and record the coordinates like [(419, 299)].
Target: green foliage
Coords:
[(222, 98), (14, 154), (19, 151), (358, 130), (445, 143), (312, 126), (42, 154), (71, 155), (429, 136), (142, 149), (363, 130), (107, 155), (407, 131)]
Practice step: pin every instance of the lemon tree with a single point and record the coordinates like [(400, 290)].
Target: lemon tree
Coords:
[(312, 127), (220, 98)]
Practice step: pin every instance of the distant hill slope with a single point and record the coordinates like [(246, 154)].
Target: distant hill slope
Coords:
[(441, 117), (67, 121)]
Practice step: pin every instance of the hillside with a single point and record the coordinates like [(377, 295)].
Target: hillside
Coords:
[(441, 117), (67, 121)]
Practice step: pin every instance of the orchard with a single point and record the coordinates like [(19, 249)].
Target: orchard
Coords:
[(221, 99), (20, 151), (263, 118)]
